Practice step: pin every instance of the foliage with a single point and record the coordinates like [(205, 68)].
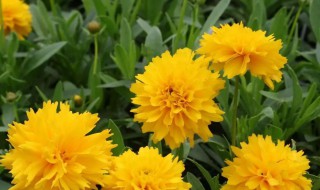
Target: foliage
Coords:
[(61, 59)]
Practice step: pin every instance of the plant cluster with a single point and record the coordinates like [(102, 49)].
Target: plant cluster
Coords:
[(184, 94)]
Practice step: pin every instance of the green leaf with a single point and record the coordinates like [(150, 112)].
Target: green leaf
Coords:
[(4, 185), (126, 6), (314, 18), (194, 181), (213, 17), (116, 138), (13, 48), (157, 145), (41, 56), (277, 28), (125, 34), (258, 16), (92, 104), (42, 95), (99, 7), (125, 60), (58, 92), (297, 92), (144, 25), (114, 84), (7, 114), (154, 42), (206, 175), (315, 181), (275, 132)]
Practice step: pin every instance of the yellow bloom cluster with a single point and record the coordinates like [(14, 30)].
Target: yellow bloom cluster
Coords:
[(52, 150), (175, 97), (146, 170), (262, 165), (16, 17), (236, 49)]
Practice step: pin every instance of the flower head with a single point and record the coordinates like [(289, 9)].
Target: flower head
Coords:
[(16, 17), (146, 170), (236, 49), (261, 165), (52, 150), (175, 97)]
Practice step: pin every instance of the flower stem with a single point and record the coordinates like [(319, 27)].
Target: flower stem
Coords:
[(180, 26), (1, 27), (293, 27), (53, 8), (96, 49), (235, 111)]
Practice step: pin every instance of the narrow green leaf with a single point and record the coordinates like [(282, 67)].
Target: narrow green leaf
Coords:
[(114, 84), (194, 181), (125, 34), (42, 95), (116, 138), (258, 16), (205, 173), (7, 114), (277, 28), (58, 92), (92, 104), (157, 145), (154, 42), (314, 18), (126, 6), (5, 185), (213, 17), (297, 92), (41, 56)]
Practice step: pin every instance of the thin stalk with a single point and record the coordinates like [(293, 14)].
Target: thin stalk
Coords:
[(194, 19), (15, 108), (235, 111), (295, 21), (1, 27), (96, 50), (135, 12), (53, 8), (182, 13)]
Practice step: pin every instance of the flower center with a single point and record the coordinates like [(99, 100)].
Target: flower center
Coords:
[(58, 156), (174, 98)]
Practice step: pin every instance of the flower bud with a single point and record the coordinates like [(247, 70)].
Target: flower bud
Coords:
[(11, 96), (77, 100), (94, 27)]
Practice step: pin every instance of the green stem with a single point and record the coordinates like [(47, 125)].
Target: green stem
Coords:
[(53, 8), (235, 111), (135, 12), (15, 108), (194, 20), (1, 27), (96, 50), (293, 28), (182, 13)]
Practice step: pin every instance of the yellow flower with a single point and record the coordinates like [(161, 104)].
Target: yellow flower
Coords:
[(263, 165), (236, 49), (16, 17), (175, 95), (146, 170), (52, 150)]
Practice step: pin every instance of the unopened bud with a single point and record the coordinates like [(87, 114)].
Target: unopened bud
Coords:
[(11, 96), (77, 100), (94, 27)]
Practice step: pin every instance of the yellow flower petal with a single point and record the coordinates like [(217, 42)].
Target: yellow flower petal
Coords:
[(175, 97), (52, 150), (261, 164), (237, 49)]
